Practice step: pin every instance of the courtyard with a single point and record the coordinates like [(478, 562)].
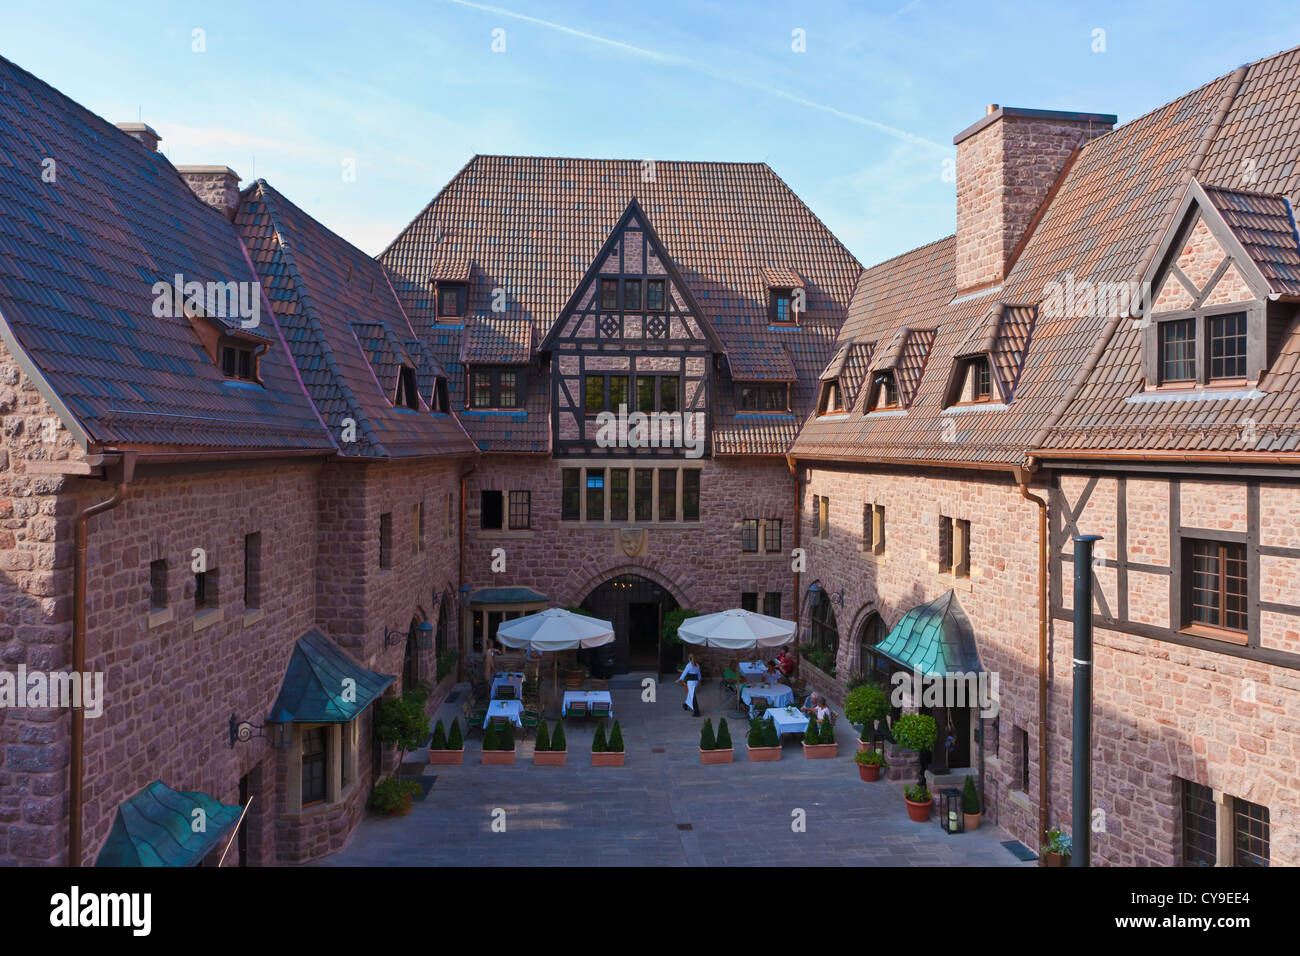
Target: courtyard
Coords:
[(663, 808)]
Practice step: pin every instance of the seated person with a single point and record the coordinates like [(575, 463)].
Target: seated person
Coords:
[(822, 711), (811, 704), (773, 676), (785, 662)]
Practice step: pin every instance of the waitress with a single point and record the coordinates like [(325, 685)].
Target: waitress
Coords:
[(690, 679)]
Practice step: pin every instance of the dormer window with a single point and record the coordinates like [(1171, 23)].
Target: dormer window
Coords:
[(830, 402), (763, 397), (884, 392), (238, 361), (440, 399), (973, 383), (408, 395), (1178, 352), (783, 307), (495, 388), (451, 300)]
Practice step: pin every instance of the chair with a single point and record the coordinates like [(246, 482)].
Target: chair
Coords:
[(474, 717), (577, 708), (500, 722), (599, 708), (599, 684), (506, 692), (758, 706), (530, 720)]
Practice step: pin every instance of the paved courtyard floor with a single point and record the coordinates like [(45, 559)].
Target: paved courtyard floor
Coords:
[(662, 808)]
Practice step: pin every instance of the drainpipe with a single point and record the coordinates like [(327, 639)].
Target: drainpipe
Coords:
[(460, 575), (1082, 734), (1023, 474), (76, 794), (798, 530)]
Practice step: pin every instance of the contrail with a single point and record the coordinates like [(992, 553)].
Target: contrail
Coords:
[(711, 71)]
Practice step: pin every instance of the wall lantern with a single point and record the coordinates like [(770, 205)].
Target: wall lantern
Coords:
[(424, 635), (950, 813), (464, 595), (242, 731)]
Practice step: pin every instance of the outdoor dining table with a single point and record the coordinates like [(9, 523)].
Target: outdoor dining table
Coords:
[(513, 709), (515, 680), (753, 671), (788, 720), (778, 695), (590, 696)]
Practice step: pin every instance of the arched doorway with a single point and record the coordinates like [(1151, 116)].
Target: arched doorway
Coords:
[(874, 667), (411, 659), (824, 633), (636, 606)]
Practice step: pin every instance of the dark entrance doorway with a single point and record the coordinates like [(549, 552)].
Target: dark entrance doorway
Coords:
[(952, 749), (411, 659), (636, 606)]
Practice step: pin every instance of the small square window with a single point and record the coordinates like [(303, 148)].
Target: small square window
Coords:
[(596, 494), (772, 536), (609, 295), (749, 601), (772, 603), (451, 301), (386, 540), (570, 494), (782, 309), (490, 510), (749, 536), (1227, 346), (206, 592), (520, 510), (654, 295), (482, 390), (1250, 833), (158, 584), (1178, 351), (631, 295), (1215, 590), (509, 391), (253, 571), (667, 494)]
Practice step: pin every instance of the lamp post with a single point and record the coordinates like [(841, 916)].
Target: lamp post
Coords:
[(1082, 730)]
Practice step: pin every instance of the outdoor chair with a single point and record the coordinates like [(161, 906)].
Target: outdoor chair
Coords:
[(730, 681), (506, 692), (599, 709), (577, 708), (500, 722), (758, 706), (531, 719), (474, 717)]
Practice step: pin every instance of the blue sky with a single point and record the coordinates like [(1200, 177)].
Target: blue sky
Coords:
[(859, 124)]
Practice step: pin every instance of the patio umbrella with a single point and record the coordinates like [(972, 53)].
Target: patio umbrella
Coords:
[(555, 629), (736, 629)]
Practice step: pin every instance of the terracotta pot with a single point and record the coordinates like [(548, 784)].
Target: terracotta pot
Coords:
[(550, 758), (403, 808), (869, 772), (763, 754), (717, 756), (1056, 859), (972, 820), (607, 759), (447, 758), (918, 812), (821, 751), (863, 745), (498, 758)]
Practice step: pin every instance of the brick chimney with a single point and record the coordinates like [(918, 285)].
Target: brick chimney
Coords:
[(143, 132), (218, 186), (1007, 164)]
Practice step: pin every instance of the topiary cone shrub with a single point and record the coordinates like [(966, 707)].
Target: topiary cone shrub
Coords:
[(439, 741), (447, 750), (615, 745), (707, 741), (603, 753), (724, 735), (546, 753), (558, 742), (827, 734), (454, 739), (598, 742), (543, 742)]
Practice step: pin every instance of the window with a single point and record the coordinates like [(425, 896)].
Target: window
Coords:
[(451, 301), (440, 400), (974, 382), (609, 295), (954, 546), (830, 403), (749, 601), (507, 393), (873, 528), (654, 295), (772, 603), (1177, 351), (1021, 737), (667, 494), (205, 589), (669, 393), (521, 510), (595, 495), (237, 362), (417, 528), (691, 494), (158, 584), (631, 295), (644, 494), (570, 478), (314, 762), (618, 494), (1215, 585), (252, 571), (824, 517), (782, 310), (658, 393), (386, 540), (871, 664), (1249, 833), (491, 510), (604, 393), (408, 395), (1200, 826), (450, 519), (481, 390), (771, 536), (1227, 346), (495, 388), (763, 398), (749, 536), (825, 632), (817, 516), (884, 391)]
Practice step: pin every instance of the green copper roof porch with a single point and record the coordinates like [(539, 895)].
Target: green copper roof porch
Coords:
[(156, 827), (933, 638), (323, 685)]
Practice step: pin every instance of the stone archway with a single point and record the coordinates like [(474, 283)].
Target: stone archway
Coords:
[(636, 605)]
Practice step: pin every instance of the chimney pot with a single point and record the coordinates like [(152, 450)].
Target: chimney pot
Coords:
[(990, 109), (143, 132), (218, 186)]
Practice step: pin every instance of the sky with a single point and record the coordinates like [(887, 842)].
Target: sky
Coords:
[(360, 112)]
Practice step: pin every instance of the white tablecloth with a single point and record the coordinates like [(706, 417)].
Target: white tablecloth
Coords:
[(778, 695), (788, 720), (590, 696), (753, 670), (505, 708), (513, 680)]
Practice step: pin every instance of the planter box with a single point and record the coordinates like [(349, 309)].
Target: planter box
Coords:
[(919, 812), (607, 759), (447, 758), (972, 820), (1056, 859), (550, 758), (821, 751), (763, 754), (717, 756), (498, 758)]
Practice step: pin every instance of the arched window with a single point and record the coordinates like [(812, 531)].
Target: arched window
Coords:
[(873, 666), (825, 633)]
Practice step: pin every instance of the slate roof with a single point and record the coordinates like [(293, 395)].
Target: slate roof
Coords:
[(79, 257), (1264, 224), (1102, 225), (934, 638), (347, 331), (761, 363), (533, 226), (491, 338)]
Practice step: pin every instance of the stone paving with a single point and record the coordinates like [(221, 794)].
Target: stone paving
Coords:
[(662, 809)]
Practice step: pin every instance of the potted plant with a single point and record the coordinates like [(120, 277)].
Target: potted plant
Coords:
[(392, 797), (762, 740), (863, 707), (970, 804), (1057, 850), (822, 737), (499, 746), (917, 732), (550, 751), (670, 647), (715, 750), (870, 763), (402, 723), (447, 749), (919, 801), (607, 753)]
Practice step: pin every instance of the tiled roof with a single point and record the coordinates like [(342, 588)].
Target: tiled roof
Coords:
[(347, 331), (1264, 224), (782, 278), (532, 226), (80, 251), (761, 363), (493, 338), (1102, 225)]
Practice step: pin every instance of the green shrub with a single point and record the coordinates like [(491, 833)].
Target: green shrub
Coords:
[(770, 738), (673, 620), (871, 758), (558, 742), (827, 732), (543, 742), (507, 737), (706, 736), (810, 732), (756, 733), (402, 723), (915, 732), (454, 739), (598, 742), (724, 735), (917, 792), (390, 793), (970, 800), (439, 741), (490, 740), (821, 658), (447, 662), (865, 705), (615, 745)]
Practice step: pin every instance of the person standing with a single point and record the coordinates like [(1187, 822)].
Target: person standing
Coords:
[(690, 679)]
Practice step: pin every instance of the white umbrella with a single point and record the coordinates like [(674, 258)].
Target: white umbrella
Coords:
[(555, 629), (736, 629)]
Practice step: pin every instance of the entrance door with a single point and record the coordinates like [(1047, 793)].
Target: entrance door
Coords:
[(642, 635), (635, 606)]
